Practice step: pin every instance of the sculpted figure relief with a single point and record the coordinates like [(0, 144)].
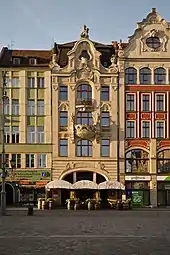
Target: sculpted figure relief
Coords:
[(85, 32)]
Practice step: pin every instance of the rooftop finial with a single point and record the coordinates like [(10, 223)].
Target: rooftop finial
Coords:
[(85, 32), (153, 10)]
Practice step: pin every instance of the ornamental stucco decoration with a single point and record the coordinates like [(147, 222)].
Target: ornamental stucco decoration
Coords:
[(85, 131), (154, 33)]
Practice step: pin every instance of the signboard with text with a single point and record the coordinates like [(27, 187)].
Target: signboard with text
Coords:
[(137, 198)]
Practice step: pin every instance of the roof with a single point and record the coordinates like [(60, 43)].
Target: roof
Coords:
[(44, 56)]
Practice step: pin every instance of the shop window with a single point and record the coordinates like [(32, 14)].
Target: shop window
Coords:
[(163, 161), (130, 76), (137, 161)]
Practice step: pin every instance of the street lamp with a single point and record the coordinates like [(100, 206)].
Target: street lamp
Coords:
[(3, 176)]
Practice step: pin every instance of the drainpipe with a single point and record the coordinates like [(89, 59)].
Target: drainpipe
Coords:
[(118, 127)]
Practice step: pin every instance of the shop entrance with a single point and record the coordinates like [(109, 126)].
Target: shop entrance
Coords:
[(168, 197), (84, 194), (9, 194)]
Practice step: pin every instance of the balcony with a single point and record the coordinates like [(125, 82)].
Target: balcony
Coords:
[(84, 104)]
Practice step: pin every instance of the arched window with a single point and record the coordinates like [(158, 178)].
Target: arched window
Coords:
[(160, 76), (145, 76), (84, 92), (137, 161), (131, 75), (84, 148), (163, 161)]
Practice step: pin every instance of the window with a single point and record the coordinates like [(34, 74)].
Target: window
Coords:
[(105, 119), (42, 160), (163, 161), (84, 92), (145, 103), (6, 107), (160, 76), (7, 134), (137, 161), (84, 118), (63, 93), (84, 148), (160, 129), (16, 158), (63, 150), (40, 82), (130, 102), (31, 82), (105, 148), (63, 119), (130, 129), (105, 93), (40, 134), (29, 160), (32, 61), (15, 82), (145, 76), (130, 76), (16, 61), (31, 107), (160, 103), (40, 107), (153, 42), (15, 134), (145, 129), (15, 107), (30, 134)]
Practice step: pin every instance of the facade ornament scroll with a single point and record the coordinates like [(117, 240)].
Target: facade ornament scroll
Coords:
[(105, 107), (97, 87), (71, 128), (63, 106), (55, 87), (70, 165), (100, 166), (73, 87)]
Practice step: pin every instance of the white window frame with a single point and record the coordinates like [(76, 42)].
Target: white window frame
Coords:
[(40, 107), (40, 135), (16, 83), (15, 107), (150, 101), (15, 133), (31, 108), (42, 160), (30, 135), (29, 160), (161, 94), (134, 129), (31, 85), (32, 61), (7, 107), (134, 94), (16, 159), (6, 134), (157, 121), (41, 78), (16, 61), (150, 128)]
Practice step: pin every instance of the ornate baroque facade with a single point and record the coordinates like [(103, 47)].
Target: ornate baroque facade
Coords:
[(89, 110)]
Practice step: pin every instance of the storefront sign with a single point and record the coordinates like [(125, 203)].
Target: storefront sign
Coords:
[(137, 178), (30, 175), (163, 178), (137, 198)]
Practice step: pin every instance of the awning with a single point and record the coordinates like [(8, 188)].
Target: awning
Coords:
[(111, 185), (58, 184), (84, 184)]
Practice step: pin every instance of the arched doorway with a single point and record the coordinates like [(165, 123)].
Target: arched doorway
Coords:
[(9, 194)]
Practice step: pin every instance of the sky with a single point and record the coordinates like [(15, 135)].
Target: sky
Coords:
[(36, 24)]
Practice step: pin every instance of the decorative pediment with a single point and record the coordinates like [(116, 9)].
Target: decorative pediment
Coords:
[(105, 107), (63, 106)]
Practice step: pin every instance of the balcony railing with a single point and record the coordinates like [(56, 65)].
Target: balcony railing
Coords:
[(84, 102)]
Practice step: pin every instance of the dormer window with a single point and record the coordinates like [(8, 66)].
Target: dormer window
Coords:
[(32, 61), (16, 61)]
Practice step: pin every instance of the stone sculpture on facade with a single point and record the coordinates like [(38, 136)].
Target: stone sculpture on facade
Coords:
[(85, 32), (53, 64)]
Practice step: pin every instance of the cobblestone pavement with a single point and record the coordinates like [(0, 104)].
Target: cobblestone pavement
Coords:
[(85, 232)]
